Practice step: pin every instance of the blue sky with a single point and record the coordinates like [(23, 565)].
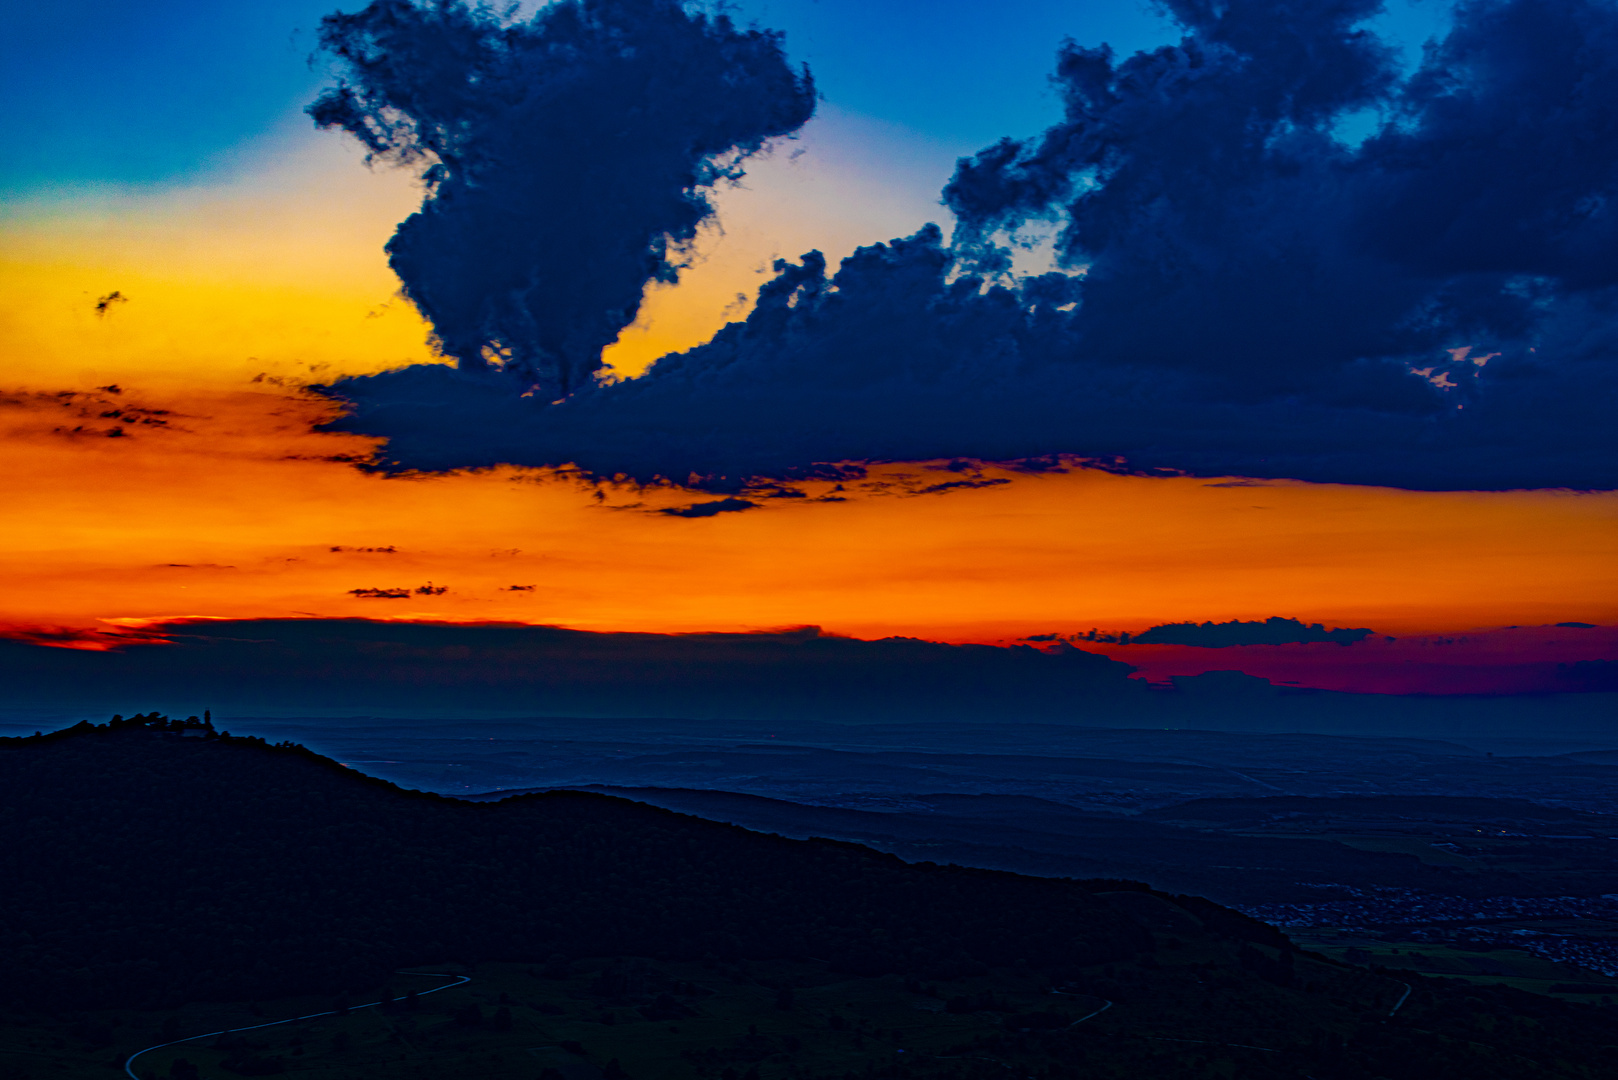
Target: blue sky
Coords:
[(103, 93), (161, 150)]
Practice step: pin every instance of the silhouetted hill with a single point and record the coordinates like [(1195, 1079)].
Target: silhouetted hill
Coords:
[(273, 664), (1036, 836), (794, 681), (144, 862)]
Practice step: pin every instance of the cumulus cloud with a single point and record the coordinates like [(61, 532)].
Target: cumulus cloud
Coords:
[(1241, 290), (567, 157)]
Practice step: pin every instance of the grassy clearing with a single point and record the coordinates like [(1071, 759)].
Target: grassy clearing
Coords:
[(1506, 967)]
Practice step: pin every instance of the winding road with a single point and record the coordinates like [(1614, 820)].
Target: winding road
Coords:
[(129, 1062), (1098, 1012)]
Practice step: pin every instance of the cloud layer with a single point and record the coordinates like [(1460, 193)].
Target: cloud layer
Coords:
[(1244, 290)]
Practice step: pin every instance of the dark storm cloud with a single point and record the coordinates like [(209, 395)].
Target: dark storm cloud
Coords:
[(1591, 675), (567, 159), (1243, 290), (1276, 630), (709, 509)]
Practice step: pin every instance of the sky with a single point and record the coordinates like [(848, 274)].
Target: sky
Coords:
[(1238, 328)]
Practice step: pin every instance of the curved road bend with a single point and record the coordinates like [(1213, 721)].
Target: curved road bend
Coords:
[(1098, 1012), (129, 1062)]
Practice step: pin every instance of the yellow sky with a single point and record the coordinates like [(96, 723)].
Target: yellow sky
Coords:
[(224, 503)]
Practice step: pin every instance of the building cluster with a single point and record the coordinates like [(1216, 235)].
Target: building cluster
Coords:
[(1432, 917)]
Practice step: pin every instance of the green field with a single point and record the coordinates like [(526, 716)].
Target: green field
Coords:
[(1507, 967)]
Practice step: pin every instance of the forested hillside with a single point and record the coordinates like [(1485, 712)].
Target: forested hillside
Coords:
[(155, 861)]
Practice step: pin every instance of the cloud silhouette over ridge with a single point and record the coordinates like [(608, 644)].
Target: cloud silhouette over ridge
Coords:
[(597, 126), (1244, 292), (1276, 630)]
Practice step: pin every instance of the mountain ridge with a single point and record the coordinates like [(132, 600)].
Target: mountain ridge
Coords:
[(224, 866)]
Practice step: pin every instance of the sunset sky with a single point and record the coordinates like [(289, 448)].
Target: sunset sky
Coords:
[(182, 253)]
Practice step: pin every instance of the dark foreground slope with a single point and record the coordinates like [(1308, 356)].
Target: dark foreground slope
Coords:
[(144, 864)]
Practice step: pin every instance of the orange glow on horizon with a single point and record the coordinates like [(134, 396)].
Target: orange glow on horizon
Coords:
[(230, 507), (216, 499)]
